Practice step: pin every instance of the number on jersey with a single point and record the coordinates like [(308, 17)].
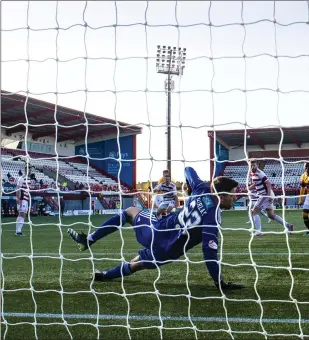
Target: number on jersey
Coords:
[(190, 215)]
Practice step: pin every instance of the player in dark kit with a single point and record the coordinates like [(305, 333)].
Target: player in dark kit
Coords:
[(170, 237)]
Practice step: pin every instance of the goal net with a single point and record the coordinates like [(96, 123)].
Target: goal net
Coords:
[(246, 72)]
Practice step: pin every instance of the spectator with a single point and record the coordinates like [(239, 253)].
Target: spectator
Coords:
[(41, 208), (62, 205), (32, 177)]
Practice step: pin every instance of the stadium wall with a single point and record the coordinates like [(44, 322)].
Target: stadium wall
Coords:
[(102, 155), (42, 144), (271, 150)]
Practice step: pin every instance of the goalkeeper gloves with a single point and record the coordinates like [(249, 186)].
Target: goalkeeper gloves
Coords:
[(229, 285)]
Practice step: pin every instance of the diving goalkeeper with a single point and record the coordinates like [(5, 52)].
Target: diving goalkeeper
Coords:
[(169, 238)]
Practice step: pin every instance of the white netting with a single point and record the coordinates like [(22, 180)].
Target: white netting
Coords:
[(247, 67)]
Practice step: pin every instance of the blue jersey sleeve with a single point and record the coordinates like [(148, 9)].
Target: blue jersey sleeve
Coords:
[(194, 182)]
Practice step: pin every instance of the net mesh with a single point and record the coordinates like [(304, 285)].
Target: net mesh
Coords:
[(148, 305)]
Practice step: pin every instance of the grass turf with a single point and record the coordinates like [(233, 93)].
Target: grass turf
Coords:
[(181, 293)]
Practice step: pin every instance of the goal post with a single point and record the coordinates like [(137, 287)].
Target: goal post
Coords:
[(92, 66)]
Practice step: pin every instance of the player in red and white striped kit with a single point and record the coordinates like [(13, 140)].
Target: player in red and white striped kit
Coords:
[(23, 202), (169, 200), (254, 197), (265, 194)]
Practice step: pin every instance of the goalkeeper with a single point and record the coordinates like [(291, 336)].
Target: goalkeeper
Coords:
[(168, 239)]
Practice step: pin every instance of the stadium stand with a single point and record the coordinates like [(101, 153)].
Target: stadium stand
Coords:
[(59, 158), (266, 146), (273, 169), (11, 169), (13, 162), (42, 140)]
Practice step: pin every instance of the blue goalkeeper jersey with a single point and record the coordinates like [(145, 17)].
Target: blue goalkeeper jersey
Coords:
[(196, 223), (199, 218)]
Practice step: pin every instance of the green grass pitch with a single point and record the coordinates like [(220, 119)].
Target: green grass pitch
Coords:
[(181, 293)]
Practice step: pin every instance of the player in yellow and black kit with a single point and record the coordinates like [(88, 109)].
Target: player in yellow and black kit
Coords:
[(304, 182)]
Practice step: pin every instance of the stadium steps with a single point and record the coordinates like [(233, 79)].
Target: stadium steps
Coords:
[(102, 172), (82, 171), (53, 174)]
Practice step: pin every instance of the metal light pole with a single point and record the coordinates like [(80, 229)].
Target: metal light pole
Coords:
[(170, 61)]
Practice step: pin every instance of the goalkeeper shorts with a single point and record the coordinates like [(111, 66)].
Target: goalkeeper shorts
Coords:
[(152, 259), (146, 226), (143, 223)]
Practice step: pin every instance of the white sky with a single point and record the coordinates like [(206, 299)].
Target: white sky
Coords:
[(195, 106)]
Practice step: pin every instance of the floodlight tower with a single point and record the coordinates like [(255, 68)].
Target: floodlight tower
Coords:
[(170, 61)]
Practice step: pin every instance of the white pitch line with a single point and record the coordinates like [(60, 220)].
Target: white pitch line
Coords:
[(134, 253), (150, 318)]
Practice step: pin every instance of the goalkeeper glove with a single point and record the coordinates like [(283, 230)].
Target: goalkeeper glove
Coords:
[(229, 285)]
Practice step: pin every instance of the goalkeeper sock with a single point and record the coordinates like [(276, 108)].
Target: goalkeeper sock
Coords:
[(119, 271), (19, 224), (108, 227), (257, 222)]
